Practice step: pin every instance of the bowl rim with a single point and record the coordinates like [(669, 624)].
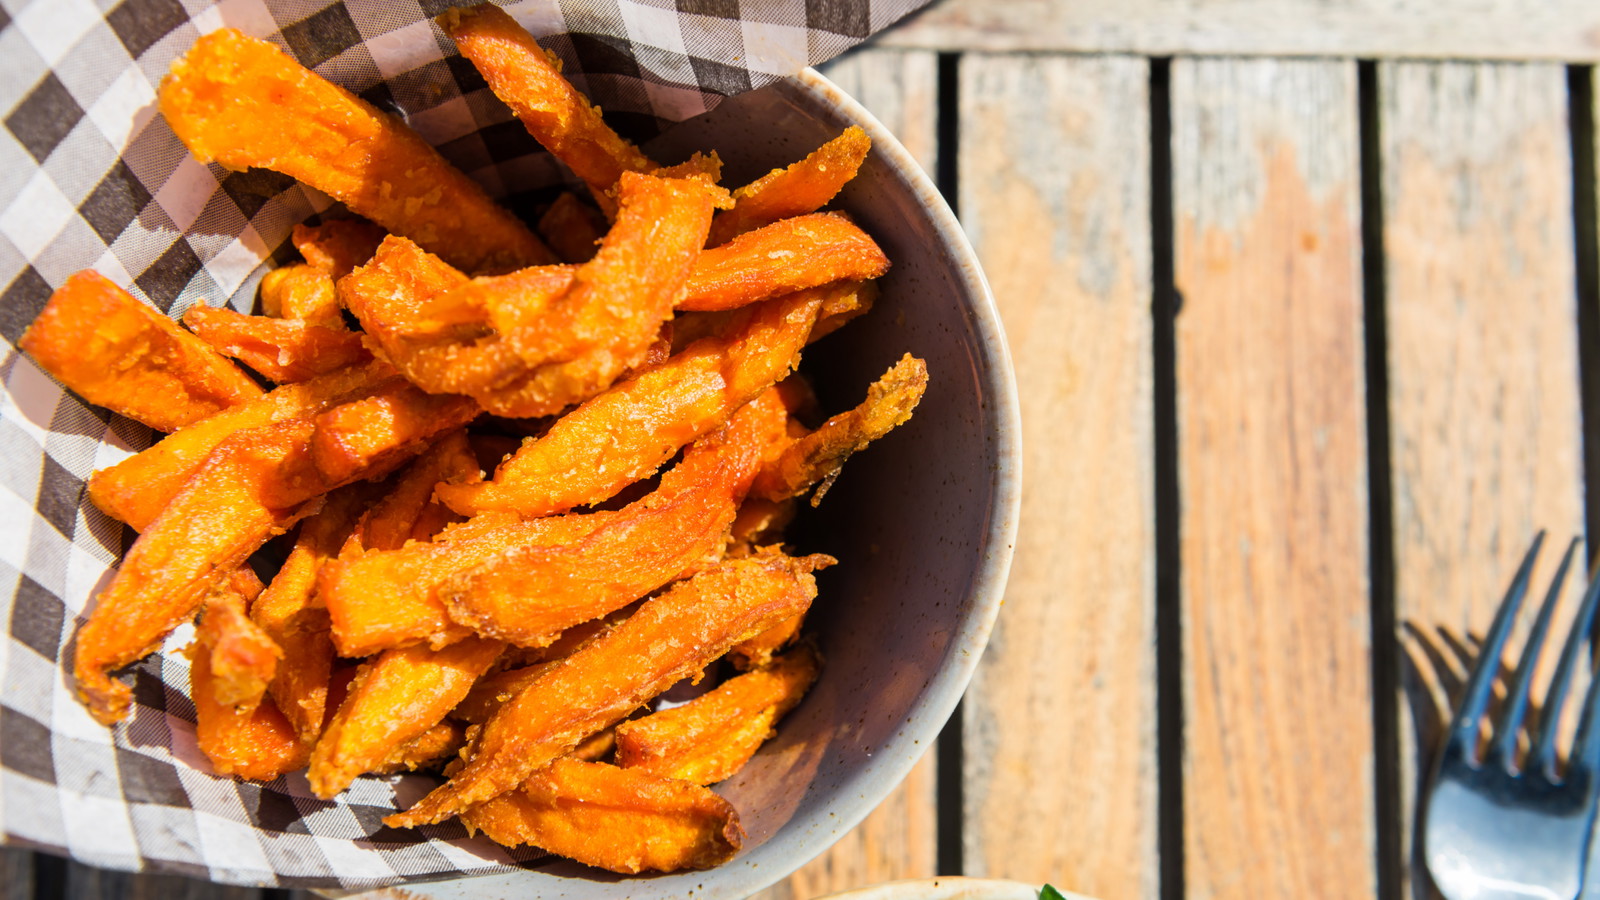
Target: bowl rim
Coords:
[(938, 700)]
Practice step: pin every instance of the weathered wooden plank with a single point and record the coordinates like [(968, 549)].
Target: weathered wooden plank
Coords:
[(101, 884), (1059, 739), (898, 840), (1484, 399), (1479, 29), (1278, 749)]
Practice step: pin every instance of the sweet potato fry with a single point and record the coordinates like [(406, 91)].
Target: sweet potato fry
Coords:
[(529, 80), (396, 422), (242, 102), (711, 737), (803, 187), (786, 256), (491, 691), (286, 610), (244, 658), (671, 637), (211, 526), (255, 744), (337, 246), (429, 749), (680, 527), (572, 228), (301, 292), (632, 429), (615, 819), (283, 350), (138, 488), (121, 354), (846, 302), (395, 699), (820, 455), (408, 511)]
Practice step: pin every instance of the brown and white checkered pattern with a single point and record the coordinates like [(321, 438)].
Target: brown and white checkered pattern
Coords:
[(91, 177)]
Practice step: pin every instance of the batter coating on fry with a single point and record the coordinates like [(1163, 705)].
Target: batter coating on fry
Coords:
[(802, 188), (243, 103)]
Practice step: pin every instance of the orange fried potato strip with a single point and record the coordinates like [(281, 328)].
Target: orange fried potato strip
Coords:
[(337, 246), (680, 527), (529, 80), (849, 301), (243, 103), (804, 187), (615, 819), (301, 292), (398, 420), (711, 737), (395, 699), (244, 658), (491, 691), (820, 455), (671, 637), (211, 526), (408, 511), (121, 354), (138, 488), (283, 350), (786, 256), (287, 611), (632, 429), (255, 743), (437, 745), (572, 228)]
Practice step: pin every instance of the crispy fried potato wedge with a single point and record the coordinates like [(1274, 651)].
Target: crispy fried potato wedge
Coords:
[(529, 80), (671, 637), (615, 819), (288, 612), (397, 421), (493, 690), (256, 744), (845, 303), (337, 246), (394, 700), (408, 511), (136, 490), (781, 258), (803, 187), (631, 430), (119, 353), (820, 455), (244, 658), (283, 350), (572, 228), (711, 737), (243, 103), (301, 292), (211, 526), (677, 529), (432, 748)]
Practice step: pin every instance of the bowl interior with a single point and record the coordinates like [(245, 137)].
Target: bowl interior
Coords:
[(921, 522)]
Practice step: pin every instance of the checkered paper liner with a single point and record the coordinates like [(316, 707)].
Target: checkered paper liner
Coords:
[(91, 177)]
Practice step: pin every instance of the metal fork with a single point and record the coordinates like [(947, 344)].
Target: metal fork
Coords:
[(1499, 827)]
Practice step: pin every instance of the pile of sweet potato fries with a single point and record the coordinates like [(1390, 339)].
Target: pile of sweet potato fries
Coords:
[(512, 631)]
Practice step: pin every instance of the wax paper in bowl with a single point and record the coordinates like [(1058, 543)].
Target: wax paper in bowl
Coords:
[(92, 177)]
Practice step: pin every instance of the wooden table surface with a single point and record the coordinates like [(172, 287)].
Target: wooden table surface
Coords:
[(1305, 309)]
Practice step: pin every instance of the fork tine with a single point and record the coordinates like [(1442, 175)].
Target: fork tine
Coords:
[(1504, 746), (1542, 756), (1475, 699)]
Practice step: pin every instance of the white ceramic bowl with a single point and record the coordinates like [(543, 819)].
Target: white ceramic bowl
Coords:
[(922, 522)]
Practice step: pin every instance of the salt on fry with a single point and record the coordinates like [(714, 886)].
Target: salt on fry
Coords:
[(124, 355), (671, 637), (620, 820), (242, 102)]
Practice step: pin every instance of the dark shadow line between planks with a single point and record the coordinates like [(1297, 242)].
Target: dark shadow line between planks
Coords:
[(1580, 118), (1385, 672), (1165, 306), (950, 799), (49, 877)]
